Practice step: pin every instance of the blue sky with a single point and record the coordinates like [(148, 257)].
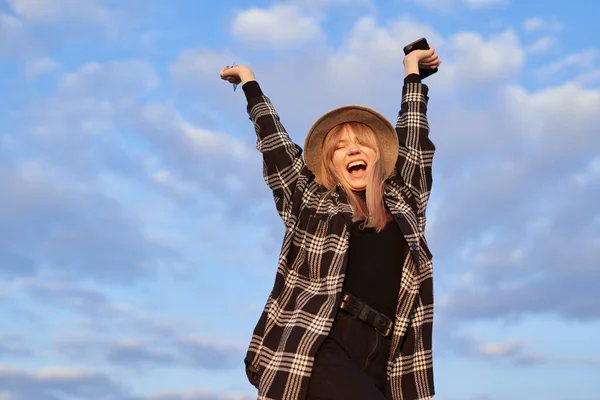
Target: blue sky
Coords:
[(138, 242)]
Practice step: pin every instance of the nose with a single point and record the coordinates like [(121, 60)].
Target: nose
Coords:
[(353, 149)]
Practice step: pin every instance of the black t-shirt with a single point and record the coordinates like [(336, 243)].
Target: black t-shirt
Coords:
[(374, 267)]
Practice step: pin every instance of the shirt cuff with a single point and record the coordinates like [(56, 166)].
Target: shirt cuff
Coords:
[(412, 78), (252, 89)]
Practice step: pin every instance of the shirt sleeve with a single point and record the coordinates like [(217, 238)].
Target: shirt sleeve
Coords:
[(282, 158), (416, 150), (412, 78), (252, 89)]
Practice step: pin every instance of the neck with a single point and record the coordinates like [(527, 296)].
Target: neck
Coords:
[(361, 193)]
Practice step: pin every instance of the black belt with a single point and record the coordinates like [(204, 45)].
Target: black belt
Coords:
[(361, 310)]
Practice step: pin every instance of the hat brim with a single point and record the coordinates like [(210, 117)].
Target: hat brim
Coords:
[(385, 135)]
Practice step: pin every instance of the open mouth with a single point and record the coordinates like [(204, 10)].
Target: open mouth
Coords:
[(357, 168)]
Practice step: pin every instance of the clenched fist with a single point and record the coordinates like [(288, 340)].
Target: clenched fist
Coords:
[(238, 74), (420, 58)]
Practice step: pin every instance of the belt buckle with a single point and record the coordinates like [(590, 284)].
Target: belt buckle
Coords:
[(344, 300), (388, 330)]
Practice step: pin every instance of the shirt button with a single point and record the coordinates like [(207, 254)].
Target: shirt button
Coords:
[(400, 216), (413, 247)]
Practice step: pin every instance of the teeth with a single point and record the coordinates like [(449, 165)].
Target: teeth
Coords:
[(355, 163)]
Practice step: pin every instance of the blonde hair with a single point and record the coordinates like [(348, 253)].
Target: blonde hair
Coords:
[(373, 210)]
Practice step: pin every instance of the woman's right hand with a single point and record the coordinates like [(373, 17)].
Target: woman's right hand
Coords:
[(238, 74), (420, 58)]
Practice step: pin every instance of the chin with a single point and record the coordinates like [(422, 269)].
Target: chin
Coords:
[(357, 187)]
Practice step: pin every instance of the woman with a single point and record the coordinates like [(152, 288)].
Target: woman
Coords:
[(351, 311)]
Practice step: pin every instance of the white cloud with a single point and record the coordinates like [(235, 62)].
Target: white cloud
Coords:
[(484, 3), (534, 24), (371, 54), (88, 101), (175, 184), (541, 45), (371, 49), (324, 3), (583, 59), (367, 68), (477, 59), (518, 351), (369, 39), (111, 80), (193, 65), (589, 77), (330, 3), (56, 10), (15, 40), (438, 5), (63, 208), (13, 345), (190, 155), (52, 382), (279, 26), (195, 141), (61, 373), (521, 171), (556, 107), (449, 5), (8, 23), (200, 395), (501, 349), (62, 119), (538, 24), (39, 67)]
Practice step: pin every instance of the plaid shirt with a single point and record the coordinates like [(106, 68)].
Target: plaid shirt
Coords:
[(303, 303)]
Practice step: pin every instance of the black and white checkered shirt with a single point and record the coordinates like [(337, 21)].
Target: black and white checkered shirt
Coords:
[(301, 307)]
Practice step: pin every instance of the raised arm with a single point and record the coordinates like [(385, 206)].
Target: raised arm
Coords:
[(282, 158), (415, 153)]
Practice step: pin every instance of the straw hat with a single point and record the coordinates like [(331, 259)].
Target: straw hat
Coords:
[(385, 134)]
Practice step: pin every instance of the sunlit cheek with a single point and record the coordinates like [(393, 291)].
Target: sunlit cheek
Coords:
[(337, 164)]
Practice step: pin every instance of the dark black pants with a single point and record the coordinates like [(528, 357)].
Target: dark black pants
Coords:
[(351, 364)]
